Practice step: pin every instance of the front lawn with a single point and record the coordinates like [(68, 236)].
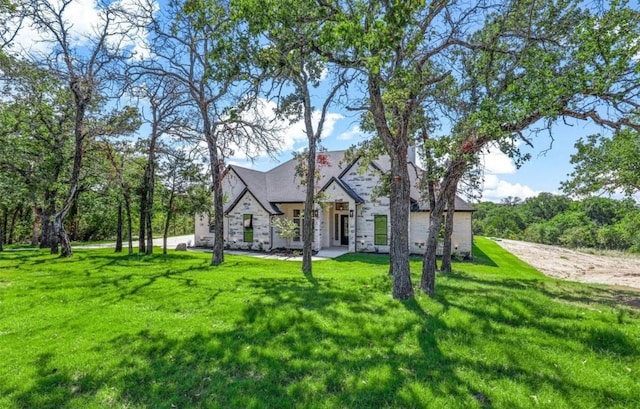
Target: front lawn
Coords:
[(102, 330)]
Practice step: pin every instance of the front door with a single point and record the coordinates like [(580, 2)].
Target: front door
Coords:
[(344, 230)]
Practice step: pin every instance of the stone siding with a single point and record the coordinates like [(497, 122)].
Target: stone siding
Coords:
[(234, 228), (363, 184), (232, 186)]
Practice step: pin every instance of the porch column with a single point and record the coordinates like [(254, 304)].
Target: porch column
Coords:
[(352, 225)]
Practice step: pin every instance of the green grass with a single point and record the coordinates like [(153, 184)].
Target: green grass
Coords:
[(102, 330)]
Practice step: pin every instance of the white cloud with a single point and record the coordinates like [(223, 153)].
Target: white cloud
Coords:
[(496, 189), (350, 134), (84, 18), (498, 163)]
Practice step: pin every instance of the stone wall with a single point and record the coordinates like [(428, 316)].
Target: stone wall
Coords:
[(234, 227), (363, 184)]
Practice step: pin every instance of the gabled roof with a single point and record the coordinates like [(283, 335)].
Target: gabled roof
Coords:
[(344, 187), (282, 185), (269, 209), (255, 182)]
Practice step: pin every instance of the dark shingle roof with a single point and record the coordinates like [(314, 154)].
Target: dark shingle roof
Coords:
[(282, 185)]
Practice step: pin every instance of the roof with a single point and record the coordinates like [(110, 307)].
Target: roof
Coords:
[(282, 185), (344, 187)]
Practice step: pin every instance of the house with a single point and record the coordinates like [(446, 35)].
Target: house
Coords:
[(348, 213)]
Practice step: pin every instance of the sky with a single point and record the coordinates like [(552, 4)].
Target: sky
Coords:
[(548, 167)]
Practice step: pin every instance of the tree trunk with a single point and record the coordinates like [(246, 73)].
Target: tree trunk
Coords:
[(48, 238), (448, 231), (142, 243), (399, 204), (35, 226), (399, 200), (149, 249), (82, 99), (73, 223), (428, 280), (147, 190), (53, 238), (216, 176), (2, 224), (45, 231), (307, 221), (119, 230), (62, 237), (5, 220), (167, 223), (12, 226), (149, 204), (448, 187), (47, 235), (127, 207)]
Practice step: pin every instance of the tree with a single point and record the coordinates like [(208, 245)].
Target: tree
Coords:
[(545, 206), (182, 192), (166, 102), (606, 164), (117, 156), (35, 131), (511, 201), (196, 44), (87, 68), (287, 229), (395, 47), (287, 56), (505, 90), (604, 211)]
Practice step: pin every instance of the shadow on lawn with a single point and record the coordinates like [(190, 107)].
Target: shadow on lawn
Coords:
[(301, 344), (479, 257), (526, 304), (284, 351), (565, 291), (314, 342)]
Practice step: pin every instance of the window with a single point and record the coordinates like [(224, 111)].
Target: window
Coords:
[(212, 227), (297, 219), (380, 230), (247, 224)]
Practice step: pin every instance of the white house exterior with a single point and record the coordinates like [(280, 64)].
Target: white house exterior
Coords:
[(348, 215)]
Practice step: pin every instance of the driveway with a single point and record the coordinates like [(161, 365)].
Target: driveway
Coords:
[(567, 264), (172, 242)]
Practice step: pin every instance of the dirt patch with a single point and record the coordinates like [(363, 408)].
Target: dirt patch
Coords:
[(573, 265)]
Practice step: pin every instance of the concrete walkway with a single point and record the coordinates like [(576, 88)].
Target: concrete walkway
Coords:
[(324, 254)]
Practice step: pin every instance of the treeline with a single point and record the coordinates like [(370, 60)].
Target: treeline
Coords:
[(95, 218), (594, 222)]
